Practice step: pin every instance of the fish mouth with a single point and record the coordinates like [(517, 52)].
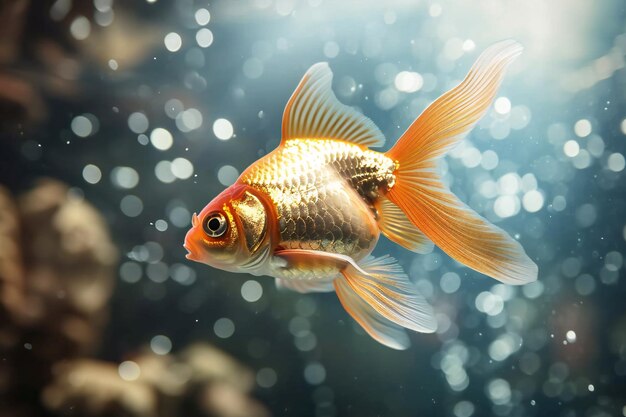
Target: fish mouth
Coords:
[(190, 254), (192, 251), (189, 244)]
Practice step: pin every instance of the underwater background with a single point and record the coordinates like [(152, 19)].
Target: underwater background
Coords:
[(119, 119)]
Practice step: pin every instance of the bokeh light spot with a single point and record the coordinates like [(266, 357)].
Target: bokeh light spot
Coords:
[(251, 291), (129, 371), (161, 345), (92, 174), (173, 42), (223, 129), (224, 328), (227, 175), (161, 139)]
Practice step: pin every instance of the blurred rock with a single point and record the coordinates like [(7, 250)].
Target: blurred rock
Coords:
[(56, 277), (11, 272), (224, 400), (213, 365), (95, 388), (166, 385), (39, 67)]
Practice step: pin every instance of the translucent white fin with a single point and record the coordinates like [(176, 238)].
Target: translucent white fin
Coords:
[(382, 284), (314, 112), (304, 286), (422, 196), (398, 228), (376, 292), (378, 327)]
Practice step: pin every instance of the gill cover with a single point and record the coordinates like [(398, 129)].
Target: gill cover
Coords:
[(251, 213)]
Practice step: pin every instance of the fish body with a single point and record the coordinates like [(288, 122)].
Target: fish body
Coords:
[(311, 212), (324, 201)]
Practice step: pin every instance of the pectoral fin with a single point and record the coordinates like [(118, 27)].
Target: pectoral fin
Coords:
[(304, 286), (305, 259)]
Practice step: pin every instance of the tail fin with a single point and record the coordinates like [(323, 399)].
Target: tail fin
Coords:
[(419, 192)]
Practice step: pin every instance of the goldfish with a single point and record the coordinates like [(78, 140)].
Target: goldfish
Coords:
[(311, 212)]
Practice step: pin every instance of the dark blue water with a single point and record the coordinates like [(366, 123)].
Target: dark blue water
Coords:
[(158, 125)]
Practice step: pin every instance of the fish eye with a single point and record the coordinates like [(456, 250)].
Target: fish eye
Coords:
[(215, 224)]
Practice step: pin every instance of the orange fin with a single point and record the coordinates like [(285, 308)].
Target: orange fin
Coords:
[(378, 327), (394, 224), (308, 258), (384, 286), (375, 292), (314, 112), (430, 206), (444, 123), (304, 286)]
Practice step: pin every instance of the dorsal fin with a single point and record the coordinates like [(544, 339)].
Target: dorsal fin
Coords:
[(314, 112)]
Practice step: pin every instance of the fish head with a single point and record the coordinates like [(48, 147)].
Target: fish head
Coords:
[(231, 232)]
